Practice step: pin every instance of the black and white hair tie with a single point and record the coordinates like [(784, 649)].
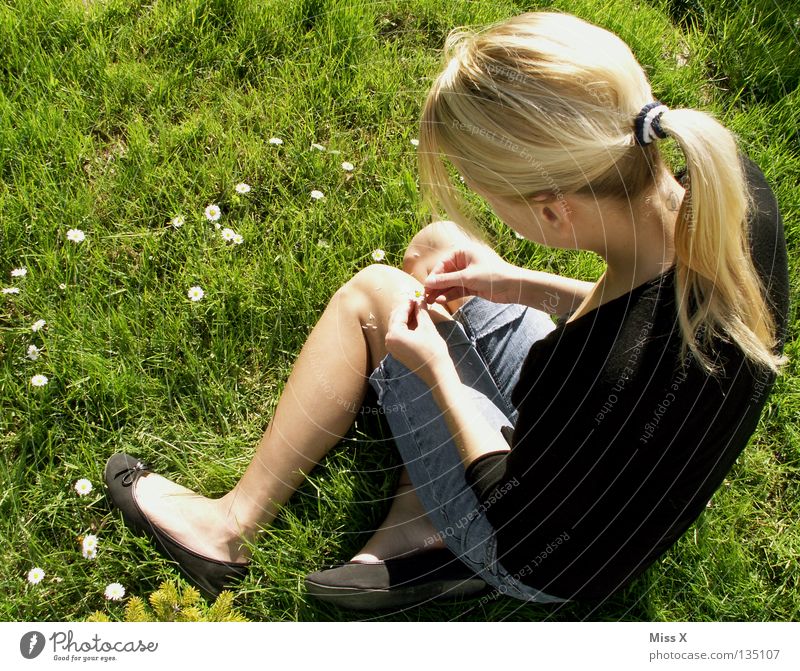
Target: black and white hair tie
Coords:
[(648, 123)]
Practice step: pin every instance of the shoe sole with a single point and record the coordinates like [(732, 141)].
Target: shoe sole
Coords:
[(357, 598)]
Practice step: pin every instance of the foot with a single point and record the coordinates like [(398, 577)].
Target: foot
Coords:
[(199, 523), (405, 531)]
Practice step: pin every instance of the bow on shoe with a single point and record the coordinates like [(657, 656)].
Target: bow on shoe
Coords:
[(131, 473)]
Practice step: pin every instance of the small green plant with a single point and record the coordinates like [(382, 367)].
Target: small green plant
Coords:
[(170, 603)]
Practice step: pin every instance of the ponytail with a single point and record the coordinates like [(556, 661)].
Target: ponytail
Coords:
[(719, 292)]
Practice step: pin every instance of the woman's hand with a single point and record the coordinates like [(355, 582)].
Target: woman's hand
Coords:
[(412, 339), (474, 270)]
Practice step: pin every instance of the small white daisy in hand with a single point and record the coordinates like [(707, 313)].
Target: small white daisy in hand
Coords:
[(11, 290), (83, 486), (417, 295), (242, 188), (35, 576), (237, 239), (378, 255), (177, 222), (39, 380), (347, 166), (276, 141), (213, 212), (38, 324), (33, 352), (318, 147), (76, 235), (114, 591), (196, 294), (316, 195), (415, 142), (227, 234), (19, 272)]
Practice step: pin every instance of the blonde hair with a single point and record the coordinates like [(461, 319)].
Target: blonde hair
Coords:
[(546, 102)]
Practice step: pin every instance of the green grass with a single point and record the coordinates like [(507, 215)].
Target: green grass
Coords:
[(117, 115)]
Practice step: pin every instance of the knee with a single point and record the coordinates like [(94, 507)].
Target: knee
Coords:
[(373, 280), (428, 244)]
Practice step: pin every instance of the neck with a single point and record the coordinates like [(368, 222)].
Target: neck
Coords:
[(639, 244)]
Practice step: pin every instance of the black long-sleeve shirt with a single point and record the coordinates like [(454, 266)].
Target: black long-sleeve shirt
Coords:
[(618, 448)]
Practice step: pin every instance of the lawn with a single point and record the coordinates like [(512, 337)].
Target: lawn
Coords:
[(117, 117)]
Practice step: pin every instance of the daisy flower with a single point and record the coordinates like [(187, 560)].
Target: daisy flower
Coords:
[(242, 188), (213, 212), (196, 294), (62, 286), (19, 272), (35, 576), (177, 222), (347, 166), (318, 147), (38, 324), (89, 542), (89, 553), (316, 195), (10, 290), (417, 295), (415, 142), (83, 486), (237, 239), (228, 234), (276, 141), (114, 591), (76, 235), (33, 352), (39, 380), (217, 226), (378, 255)]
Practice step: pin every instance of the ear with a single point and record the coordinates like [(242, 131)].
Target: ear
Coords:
[(552, 209)]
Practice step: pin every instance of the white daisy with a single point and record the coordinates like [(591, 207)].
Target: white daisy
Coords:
[(347, 166), (83, 486), (39, 380), (40, 323), (76, 235), (35, 576), (33, 352), (178, 221), (62, 286), (213, 212), (19, 272), (276, 141), (318, 147), (417, 295), (227, 234), (114, 591), (378, 255), (89, 553), (415, 142), (242, 188), (316, 195), (237, 239), (217, 226), (196, 294), (89, 545), (10, 290)]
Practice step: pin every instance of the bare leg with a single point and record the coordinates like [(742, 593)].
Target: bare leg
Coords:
[(322, 396)]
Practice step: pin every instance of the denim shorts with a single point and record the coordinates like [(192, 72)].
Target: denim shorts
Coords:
[(488, 343)]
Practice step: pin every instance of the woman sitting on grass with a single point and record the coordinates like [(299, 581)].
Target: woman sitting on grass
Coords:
[(550, 462)]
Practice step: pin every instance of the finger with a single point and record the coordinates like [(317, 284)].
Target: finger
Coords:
[(445, 280), (447, 295), (399, 316)]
